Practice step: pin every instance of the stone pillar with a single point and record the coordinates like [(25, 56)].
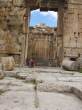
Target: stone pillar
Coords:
[(60, 35), (27, 35), (26, 18), (60, 21)]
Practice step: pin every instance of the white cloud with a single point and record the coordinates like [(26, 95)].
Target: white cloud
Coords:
[(53, 14), (35, 11), (49, 14)]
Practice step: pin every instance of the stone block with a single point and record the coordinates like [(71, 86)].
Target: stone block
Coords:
[(8, 63), (70, 65), (5, 3), (18, 2)]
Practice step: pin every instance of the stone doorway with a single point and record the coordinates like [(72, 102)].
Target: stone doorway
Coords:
[(49, 53)]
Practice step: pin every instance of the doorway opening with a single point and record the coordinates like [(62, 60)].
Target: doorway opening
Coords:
[(48, 18), (42, 37)]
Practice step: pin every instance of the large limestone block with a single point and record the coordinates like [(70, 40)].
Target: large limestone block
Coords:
[(70, 65), (18, 2), (4, 3), (8, 63)]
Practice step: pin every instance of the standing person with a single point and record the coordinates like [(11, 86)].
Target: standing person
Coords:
[(31, 63)]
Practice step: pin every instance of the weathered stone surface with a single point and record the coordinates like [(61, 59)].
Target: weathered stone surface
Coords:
[(14, 93), (69, 32), (5, 3), (8, 63), (11, 28), (1, 74), (79, 60), (18, 2), (70, 65)]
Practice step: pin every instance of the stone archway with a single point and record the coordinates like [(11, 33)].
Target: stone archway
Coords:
[(45, 6)]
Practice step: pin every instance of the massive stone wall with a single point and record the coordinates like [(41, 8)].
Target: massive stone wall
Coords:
[(11, 28), (72, 23)]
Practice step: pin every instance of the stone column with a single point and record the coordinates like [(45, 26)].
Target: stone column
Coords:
[(60, 35), (27, 35), (26, 18)]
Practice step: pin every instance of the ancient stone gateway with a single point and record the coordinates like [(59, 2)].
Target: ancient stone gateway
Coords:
[(14, 15)]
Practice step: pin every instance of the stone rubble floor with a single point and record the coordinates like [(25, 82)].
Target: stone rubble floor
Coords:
[(56, 89)]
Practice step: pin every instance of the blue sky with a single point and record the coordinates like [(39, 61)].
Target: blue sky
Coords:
[(49, 18)]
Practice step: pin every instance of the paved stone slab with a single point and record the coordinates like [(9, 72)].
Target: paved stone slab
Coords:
[(54, 90), (17, 101), (58, 101), (47, 101)]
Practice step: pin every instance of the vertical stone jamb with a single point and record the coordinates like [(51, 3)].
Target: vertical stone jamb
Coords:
[(60, 34), (26, 32)]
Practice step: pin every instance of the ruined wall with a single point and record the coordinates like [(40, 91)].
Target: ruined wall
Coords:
[(11, 28), (72, 23)]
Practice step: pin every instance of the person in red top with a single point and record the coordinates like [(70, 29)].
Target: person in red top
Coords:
[(31, 63)]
